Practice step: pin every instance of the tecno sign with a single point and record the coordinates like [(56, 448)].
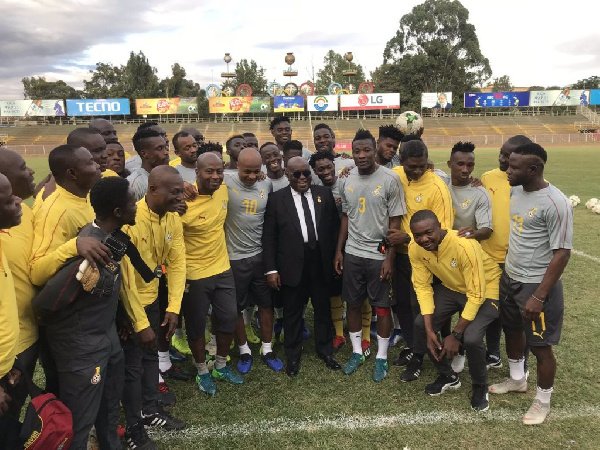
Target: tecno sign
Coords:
[(98, 107)]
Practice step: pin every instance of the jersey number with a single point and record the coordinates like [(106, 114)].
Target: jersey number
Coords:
[(517, 223), (251, 206), (361, 205)]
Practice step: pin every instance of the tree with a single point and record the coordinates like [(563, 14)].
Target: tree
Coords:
[(177, 85), (502, 84), (138, 79), (39, 88), (248, 73), (592, 82), (536, 88), (435, 49), (333, 72), (104, 82)]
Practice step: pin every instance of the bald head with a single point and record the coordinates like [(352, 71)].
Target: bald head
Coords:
[(104, 128), (299, 174), (249, 166), (160, 173), (165, 190), (297, 163), (207, 159), (249, 156), (20, 176)]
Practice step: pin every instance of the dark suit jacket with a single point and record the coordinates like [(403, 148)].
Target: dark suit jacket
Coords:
[(283, 244)]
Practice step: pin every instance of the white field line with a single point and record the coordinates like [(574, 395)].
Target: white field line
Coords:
[(345, 422), (585, 255)]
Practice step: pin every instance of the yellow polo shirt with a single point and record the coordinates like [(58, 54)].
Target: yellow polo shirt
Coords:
[(496, 183), (462, 266), (56, 225), (429, 192), (109, 173), (204, 235), (160, 242), (175, 162), (16, 244), (9, 318)]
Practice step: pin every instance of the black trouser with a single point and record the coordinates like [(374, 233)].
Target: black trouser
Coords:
[(407, 306), (26, 361), (93, 394), (141, 373), (448, 303), (48, 363), (313, 285)]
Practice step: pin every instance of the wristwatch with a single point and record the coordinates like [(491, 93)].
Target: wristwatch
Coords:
[(457, 335)]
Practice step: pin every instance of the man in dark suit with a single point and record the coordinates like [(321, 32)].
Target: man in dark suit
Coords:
[(299, 240)]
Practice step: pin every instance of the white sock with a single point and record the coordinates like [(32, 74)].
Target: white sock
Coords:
[(517, 368), (247, 315), (355, 338), (278, 313), (179, 333), (201, 367), (543, 395), (160, 378), (213, 339), (245, 349), (164, 361), (382, 347), (266, 347)]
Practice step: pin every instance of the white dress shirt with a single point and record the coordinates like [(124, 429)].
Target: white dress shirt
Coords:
[(297, 196)]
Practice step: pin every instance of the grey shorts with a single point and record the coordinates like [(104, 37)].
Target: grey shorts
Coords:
[(361, 279), (539, 333), (218, 290), (251, 283)]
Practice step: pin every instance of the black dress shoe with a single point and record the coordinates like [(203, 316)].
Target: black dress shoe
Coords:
[(292, 368), (330, 362)]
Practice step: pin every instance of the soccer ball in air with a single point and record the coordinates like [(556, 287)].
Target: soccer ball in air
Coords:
[(410, 122), (264, 107), (591, 203), (574, 200), (191, 109)]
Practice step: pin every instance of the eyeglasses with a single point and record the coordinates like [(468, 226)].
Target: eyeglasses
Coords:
[(299, 173)]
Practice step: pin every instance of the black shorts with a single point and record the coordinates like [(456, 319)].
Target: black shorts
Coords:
[(218, 291), (539, 333), (361, 279), (251, 283)]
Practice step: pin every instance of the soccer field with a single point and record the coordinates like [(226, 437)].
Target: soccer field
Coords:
[(326, 409)]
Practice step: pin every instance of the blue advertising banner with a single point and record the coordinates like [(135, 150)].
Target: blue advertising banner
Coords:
[(98, 107), (496, 99), (288, 104), (595, 97)]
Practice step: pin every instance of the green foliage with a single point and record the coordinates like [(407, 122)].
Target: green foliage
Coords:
[(333, 72), (104, 81), (39, 88), (248, 73), (592, 82), (139, 78), (435, 49), (177, 85), (502, 84)]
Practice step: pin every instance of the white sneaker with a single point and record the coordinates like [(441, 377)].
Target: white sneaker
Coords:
[(458, 363), (509, 385), (537, 413)]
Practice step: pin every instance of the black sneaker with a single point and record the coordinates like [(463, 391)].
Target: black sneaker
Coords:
[(479, 399), (164, 420), (404, 357), (166, 396), (136, 438), (493, 361), (413, 370), (442, 383), (175, 373)]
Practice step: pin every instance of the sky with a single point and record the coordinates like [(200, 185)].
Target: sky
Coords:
[(531, 41)]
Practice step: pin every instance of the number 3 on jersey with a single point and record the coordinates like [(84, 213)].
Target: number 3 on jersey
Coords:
[(251, 206), (361, 204)]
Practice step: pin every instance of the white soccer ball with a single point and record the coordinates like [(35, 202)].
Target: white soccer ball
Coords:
[(596, 208), (192, 109), (591, 203), (264, 107), (574, 200), (410, 122)]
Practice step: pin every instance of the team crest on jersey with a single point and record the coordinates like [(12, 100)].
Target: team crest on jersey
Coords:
[(418, 198), (96, 377), (465, 204), (224, 205), (453, 263), (377, 191), (262, 194), (531, 212), (169, 236)]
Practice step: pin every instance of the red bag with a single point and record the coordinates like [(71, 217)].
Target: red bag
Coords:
[(48, 423)]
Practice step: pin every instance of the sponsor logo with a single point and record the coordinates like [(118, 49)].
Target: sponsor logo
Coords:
[(321, 103)]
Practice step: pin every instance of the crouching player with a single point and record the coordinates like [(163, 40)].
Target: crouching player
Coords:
[(469, 283)]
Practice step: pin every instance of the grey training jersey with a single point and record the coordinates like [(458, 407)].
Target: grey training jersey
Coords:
[(369, 201), (472, 207), (138, 181), (335, 191), (186, 173), (245, 216), (339, 163), (135, 162), (279, 183), (540, 222)]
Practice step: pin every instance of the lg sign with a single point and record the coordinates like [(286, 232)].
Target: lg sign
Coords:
[(98, 107), (359, 102), (364, 100)]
